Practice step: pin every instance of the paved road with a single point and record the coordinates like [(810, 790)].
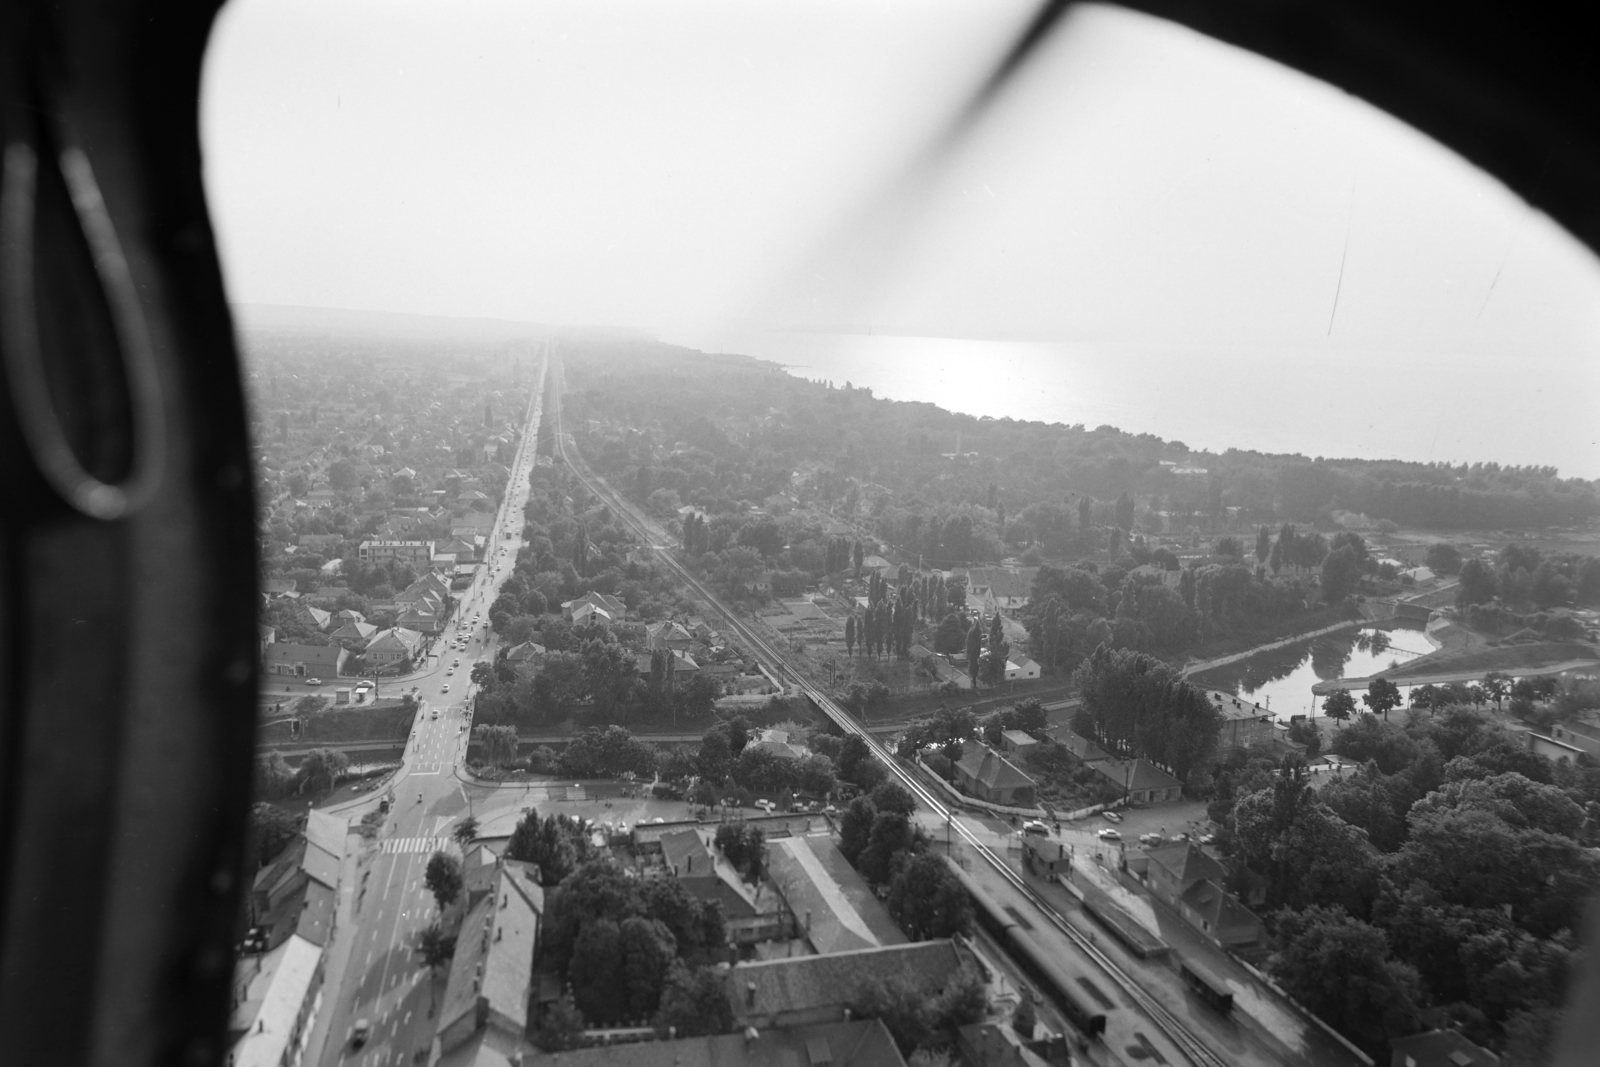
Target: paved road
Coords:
[(383, 980)]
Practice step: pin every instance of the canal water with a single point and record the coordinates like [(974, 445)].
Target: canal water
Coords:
[(1281, 679)]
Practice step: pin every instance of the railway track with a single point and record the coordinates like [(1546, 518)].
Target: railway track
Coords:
[(1168, 1022)]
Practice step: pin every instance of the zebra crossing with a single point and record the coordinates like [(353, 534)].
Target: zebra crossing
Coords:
[(414, 844)]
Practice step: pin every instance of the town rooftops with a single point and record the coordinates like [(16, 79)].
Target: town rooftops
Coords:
[(986, 765), (686, 855), (320, 659), (270, 991), (493, 963), (1137, 775), (811, 983), (1018, 738), (1440, 1048), (1217, 907), (832, 903), (1186, 862), (858, 1043), (1083, 748), (604, 601)]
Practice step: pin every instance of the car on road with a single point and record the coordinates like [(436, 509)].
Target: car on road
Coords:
[(313, 681), (435, 714), (450, 673), (1034, 826), (1206, 839), (359, 1035), (1108, 834), (1111, 815), (1151, 839), (445, 688), (766, 805), (455, 663)]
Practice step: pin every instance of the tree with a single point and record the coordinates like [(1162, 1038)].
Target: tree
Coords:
[(1381, 696), (1340, 573), (596, 973), (927, 900), (499, 743), (1342, 970), (321, 769), (694, 1002), (1477, 584), (995, 668), (974, 653), (648, 950), (1263, 544), (443, 878), (271, 829), (1497, 686), (1339, 705), (435, 947), (850, 634), (466, 831), (949, 638), (1443, 558), (855, 828), (555, 844)]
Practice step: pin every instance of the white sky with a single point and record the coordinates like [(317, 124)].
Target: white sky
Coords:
[(689, 167)]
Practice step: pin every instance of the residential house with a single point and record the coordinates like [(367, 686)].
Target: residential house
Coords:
[(321, 543), (321, 498), (1021, 669), (348, 615), (1082, 749), (808, 990), (1422, 576), (267, 635), (307, 615), (984, 773), (884, 568), (415, 554), (857, 1043), (1190, 881), (610, 604), (1141, 781), (588, 613), (421, 619), (1578, 733), (491, 985), (276, 996), (668, 635), (295, 894), (684, 856), (395, 645), (524, 653), (278, 586), (683, 667), (1004, 589), (1439, 1048), (1245, 724), (473, 524), (304, 661), (778, 743), (1018, 742), (834, 908), (354, 631)]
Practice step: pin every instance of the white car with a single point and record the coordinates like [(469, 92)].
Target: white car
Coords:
[(1111, 816), (444, 688), (766, 805), (1108, 834), (1034, 826)]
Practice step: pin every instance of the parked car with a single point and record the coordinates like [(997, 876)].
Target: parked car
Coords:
[(1150, 839), (1108, 834), (1111, 815), (358, 1036), (1034, 826), (766, 805), (313, 681), (445, 688)]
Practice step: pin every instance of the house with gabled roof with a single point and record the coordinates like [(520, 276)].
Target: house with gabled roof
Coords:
[(295, 893), (276, 995), (492, 982), (524, 652), (834, 908), (807, 990), (1219, 915), (588, 613), (668, 634), (1141, 781), (984, 773), (304, 661), (394, 645), (856, 1043), (354, 631), (1175, 868), (1439, 1048), (607, 603)]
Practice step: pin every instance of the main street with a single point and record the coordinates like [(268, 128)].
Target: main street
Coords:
[(376, 973)]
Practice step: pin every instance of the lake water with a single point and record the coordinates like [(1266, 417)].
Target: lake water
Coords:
[(1215, 398), (1282, 679)]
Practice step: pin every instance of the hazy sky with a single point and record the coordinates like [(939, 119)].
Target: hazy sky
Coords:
[(691, 167)]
